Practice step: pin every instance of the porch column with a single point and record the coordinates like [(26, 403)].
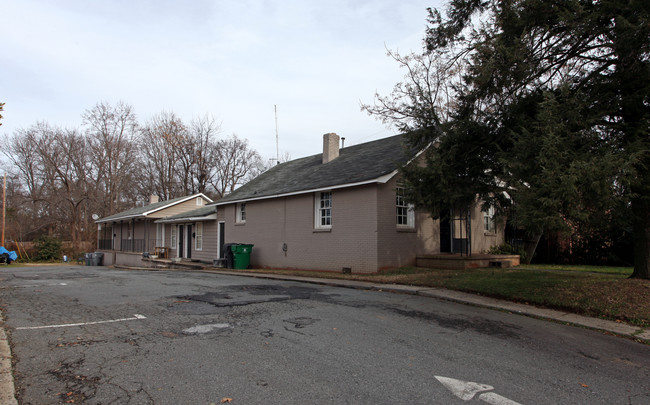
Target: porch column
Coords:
[(145, 248)]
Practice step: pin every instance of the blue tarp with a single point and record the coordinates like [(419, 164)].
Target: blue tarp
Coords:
[(12, 255)]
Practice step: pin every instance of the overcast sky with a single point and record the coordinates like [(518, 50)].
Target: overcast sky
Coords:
[(235, 60)]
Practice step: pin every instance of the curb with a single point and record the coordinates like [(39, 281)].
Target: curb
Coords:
[(7, 392), (616, 328)]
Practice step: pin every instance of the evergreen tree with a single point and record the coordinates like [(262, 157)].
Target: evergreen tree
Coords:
[(549, 113)]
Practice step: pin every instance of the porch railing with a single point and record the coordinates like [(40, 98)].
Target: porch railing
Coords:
[(153, 244), (105, 244), (132, 245)]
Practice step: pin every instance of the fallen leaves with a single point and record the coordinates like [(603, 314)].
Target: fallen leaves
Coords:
[(224, 400)]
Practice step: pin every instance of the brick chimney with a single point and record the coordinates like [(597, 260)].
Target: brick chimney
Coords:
[(330, 147), (153, 199)]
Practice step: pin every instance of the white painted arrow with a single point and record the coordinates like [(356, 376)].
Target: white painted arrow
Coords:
[(466, 390)]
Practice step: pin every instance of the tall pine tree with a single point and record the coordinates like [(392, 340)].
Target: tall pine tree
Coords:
[(550, 107)]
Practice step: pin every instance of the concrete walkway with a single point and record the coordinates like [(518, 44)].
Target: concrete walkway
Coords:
[(7, 392)]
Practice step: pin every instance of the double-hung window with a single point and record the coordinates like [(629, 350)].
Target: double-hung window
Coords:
[(198, 236), (489, 223), (323, 212), (241, 213), (405, 213)]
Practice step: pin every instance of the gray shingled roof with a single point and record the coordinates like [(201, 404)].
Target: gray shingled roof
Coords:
[(141, 211), (360, 163)]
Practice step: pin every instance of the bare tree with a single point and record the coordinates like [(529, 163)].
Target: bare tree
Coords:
[(203, 131), (111, 133), (53, 164), (22, 152), (60, 177), (65, 154), (426, 95), (160, 144), (237, 163)]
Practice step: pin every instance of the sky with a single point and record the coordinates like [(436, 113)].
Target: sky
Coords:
[(235, 60)]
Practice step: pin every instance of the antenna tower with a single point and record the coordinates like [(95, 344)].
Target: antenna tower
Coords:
[(277, 141)]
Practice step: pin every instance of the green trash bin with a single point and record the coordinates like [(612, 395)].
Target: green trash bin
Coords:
[(241, 255)]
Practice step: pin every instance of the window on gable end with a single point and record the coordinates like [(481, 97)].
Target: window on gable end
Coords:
[(489, 222)]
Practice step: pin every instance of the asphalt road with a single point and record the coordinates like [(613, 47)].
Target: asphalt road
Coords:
[(103, 336)]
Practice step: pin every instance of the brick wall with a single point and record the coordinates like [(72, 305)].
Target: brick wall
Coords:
[(364, 234), (481, 240), (270, 224), (397, 246)]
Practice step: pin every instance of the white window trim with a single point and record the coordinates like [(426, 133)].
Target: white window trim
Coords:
[(160, 234), (319, 211), (199, 201), (410, 209), (198, 236), (489, 222), (173, 237), (239, 212)]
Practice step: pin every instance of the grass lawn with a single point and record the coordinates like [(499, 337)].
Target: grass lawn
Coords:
[(594, 291), (626, 271)]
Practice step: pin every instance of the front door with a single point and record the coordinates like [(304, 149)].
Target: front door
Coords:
[(445, 232), (190, 240), (181, 238), (221, 238)]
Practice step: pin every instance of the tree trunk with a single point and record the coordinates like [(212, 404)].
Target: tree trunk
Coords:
[(530, 245), (641, 235)]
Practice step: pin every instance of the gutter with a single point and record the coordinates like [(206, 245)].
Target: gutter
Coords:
[(188, 219)]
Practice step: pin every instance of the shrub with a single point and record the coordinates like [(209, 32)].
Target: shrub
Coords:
[(47, 248), (508, 249)]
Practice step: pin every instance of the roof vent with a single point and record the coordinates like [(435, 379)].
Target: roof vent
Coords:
[(330, 147)]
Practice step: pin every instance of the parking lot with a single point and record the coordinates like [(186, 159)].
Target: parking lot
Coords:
[(99, 335)]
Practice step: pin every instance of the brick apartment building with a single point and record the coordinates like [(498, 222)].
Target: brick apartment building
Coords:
[(343, 209)]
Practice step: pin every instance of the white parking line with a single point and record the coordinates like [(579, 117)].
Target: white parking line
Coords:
[(135, 317), (32, 285)]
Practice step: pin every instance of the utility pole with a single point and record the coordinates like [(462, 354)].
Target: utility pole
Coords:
[(4, 207)]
